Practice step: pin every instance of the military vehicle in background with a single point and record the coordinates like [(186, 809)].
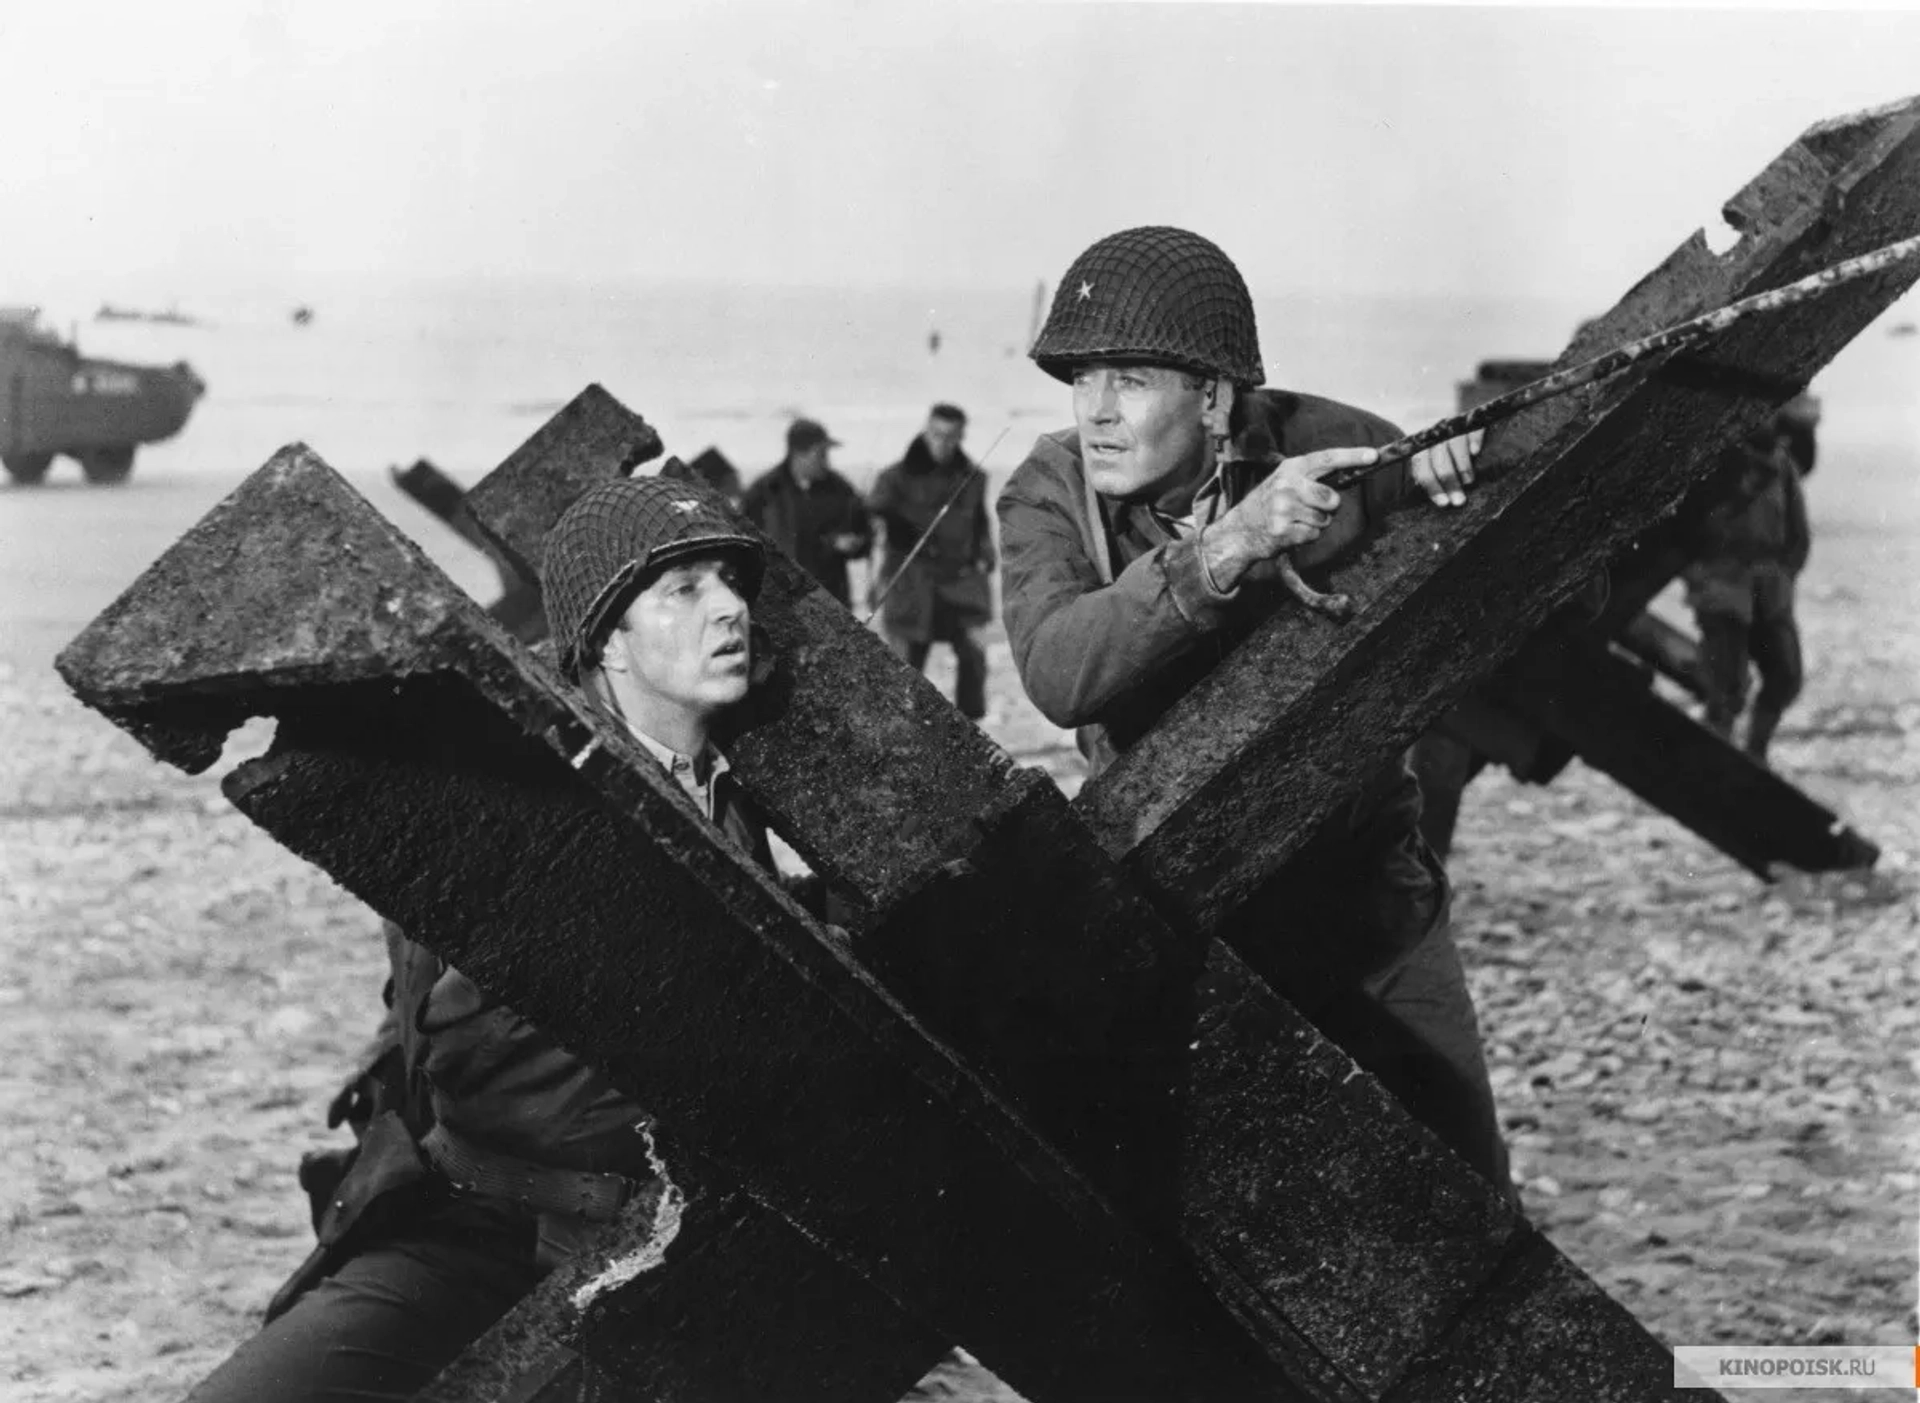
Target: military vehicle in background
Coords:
[(54, 401), (1493, 378)]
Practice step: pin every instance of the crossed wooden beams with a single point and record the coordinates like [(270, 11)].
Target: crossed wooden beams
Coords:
[(1584, 686), (1570, 691), (1298, 714), (1030, 1106)]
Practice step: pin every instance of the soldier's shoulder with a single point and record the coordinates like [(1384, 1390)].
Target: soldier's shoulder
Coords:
[(1049, 467), (1302, 423)]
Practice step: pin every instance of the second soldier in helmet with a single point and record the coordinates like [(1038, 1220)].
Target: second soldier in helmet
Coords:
[(496, 1152), (1131, 566)]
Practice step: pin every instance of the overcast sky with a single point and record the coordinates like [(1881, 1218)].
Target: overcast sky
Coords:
[(1425, 149)]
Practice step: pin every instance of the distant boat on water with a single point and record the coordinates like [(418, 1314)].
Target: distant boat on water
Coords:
[(1903, 329), (303, 316), (172, 316)]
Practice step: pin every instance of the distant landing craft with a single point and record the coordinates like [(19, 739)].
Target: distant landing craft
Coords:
[(302, 316), (1903, 329), (173, 316), (54, 401)]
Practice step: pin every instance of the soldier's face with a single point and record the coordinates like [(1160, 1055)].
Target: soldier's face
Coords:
[(1140, 427), (943, 437), (683, 641), (810, 464)]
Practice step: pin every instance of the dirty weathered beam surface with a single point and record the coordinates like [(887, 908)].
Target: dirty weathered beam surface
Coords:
[(508, 499), (1572, 685), (631, 1316), (1669, 651), (1343, 1235), (1566, 693), (1238, 775), (450, 780)]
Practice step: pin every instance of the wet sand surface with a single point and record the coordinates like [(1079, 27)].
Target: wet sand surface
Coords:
[(1709, 1083)]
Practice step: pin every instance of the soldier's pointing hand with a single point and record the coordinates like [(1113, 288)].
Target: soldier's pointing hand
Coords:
[(1290, 507)]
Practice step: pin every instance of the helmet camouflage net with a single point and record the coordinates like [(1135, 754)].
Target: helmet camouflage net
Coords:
[(603, 547), (1154, 295)]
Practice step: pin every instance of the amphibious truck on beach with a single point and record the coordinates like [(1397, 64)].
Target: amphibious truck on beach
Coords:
[(53, 401)]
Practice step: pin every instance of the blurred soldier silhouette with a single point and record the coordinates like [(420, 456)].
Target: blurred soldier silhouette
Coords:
[(813, 514), (1747, 549), (936, 499), (713, 468)]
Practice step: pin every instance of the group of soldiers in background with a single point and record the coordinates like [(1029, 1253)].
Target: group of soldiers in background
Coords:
[(934, 581)]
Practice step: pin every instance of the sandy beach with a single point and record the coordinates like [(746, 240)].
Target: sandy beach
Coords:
[(1709, 1082)]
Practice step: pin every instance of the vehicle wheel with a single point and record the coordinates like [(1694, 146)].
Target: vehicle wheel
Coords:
[(28, 469), (106, 467)]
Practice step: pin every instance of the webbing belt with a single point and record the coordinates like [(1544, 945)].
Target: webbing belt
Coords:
[(596, 1197)]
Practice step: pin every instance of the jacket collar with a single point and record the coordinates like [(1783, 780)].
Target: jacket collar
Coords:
[(918, 460)]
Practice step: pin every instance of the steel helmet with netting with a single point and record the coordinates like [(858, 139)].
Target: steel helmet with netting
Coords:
[(1158, 296), (609, 544)]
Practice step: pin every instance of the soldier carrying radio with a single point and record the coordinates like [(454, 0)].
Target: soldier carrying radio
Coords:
[(935, 582)]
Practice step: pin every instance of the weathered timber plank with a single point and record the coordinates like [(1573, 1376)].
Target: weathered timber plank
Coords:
[(776, 1321), (632, 1319), (1308, 1198), (1566, 692), (1485, 721), (1541, 1335), (1669, 651), (1238, 775), (1342, 1234), (1572, 685), (518, 605), (507, 499), (447, 778)]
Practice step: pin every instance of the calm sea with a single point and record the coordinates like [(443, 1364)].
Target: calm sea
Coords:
[(462, 371)]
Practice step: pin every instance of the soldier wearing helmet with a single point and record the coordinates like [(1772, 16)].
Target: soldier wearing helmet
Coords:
[(1132, 564), (649, 586), (494, 1153)]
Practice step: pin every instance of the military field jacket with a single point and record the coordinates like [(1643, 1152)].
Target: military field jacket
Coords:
[(803, 522), (949, 582), (1112, 620)]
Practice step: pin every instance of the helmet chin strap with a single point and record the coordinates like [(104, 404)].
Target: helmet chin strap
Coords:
[(1216, 417)]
